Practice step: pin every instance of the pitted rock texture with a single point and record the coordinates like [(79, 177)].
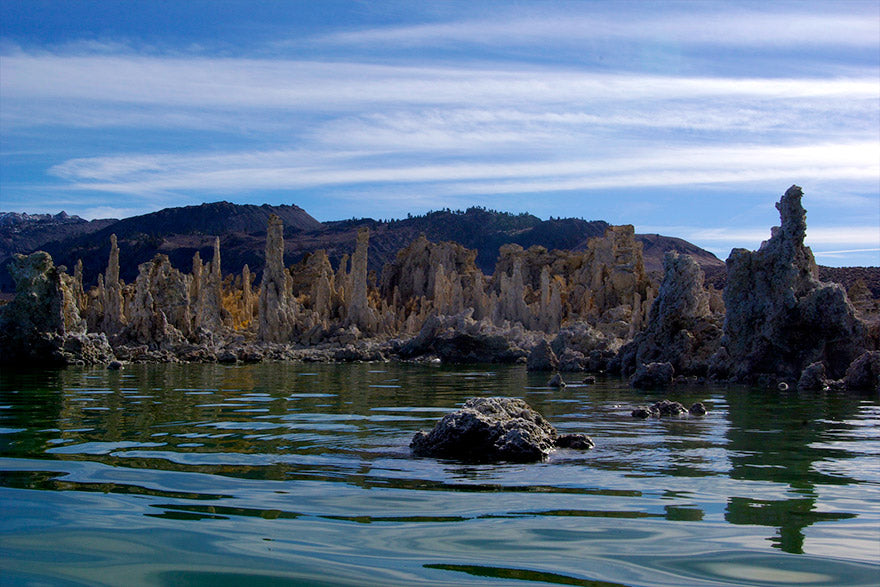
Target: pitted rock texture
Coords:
[(542, 357), (277, 308), (493, 429)]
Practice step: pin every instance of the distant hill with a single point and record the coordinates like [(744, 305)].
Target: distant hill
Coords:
[(29, 232), (213, 219), (180, 232)]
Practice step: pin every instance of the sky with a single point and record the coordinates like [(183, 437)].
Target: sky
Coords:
[(688, 119)]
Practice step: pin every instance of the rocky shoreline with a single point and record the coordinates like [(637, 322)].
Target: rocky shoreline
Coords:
[(594, 311)]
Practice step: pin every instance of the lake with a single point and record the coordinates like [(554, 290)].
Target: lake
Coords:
[(300, 474)]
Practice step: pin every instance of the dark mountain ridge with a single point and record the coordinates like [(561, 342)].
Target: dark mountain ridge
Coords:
[(180, 232), (214, 219)]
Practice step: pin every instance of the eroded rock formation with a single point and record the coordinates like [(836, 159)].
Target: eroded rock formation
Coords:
[(555, 310), (160, 313), (606, 285), (682, 330), (113, 301), (359, 313), (779, 317), (277, 309), (461, 339)]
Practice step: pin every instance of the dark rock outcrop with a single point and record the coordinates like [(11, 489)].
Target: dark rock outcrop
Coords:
[(813, 378), (682, 329), (864, 372), (575, 441), (493, 429), (461, 339), (653, 375), (542, 357), (779, 317), (556, 381), (42, 324)]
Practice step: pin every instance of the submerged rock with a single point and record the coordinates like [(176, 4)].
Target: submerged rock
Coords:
[(698, 409), (813, 378), (575, 441), (493, 429), (667, 408)]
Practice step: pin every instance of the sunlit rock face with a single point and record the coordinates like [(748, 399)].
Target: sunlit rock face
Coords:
[(277, 311), (566, 310), (614, 271), (429, 277), (681, 330), (160, 312), (43, 301), (207, 303), (113, 303), (359, 313), (779, 317), (606, 285)]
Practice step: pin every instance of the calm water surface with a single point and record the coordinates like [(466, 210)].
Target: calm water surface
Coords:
[(300, 474)]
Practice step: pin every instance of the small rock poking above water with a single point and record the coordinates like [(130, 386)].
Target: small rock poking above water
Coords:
[(666, 408), (494, 429), (575, 441), (556, 381)]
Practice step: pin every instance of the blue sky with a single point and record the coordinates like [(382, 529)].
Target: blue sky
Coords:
[(689, 119)]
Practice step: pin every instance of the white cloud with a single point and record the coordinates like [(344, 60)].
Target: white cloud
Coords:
[(327, 86), (685, 25), (299, 169)]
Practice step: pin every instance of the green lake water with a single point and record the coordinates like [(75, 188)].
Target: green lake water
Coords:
[(300, 474)]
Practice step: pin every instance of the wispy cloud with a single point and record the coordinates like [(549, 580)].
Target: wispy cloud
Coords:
[(300, 169), (328, 86), (682, 24)]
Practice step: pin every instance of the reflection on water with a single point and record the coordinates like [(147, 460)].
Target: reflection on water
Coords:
[(778, 439), (301, 474)]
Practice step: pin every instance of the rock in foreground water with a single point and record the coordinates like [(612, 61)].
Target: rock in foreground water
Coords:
[(493, 429)]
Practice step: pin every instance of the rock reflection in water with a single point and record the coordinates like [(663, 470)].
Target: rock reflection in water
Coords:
[(304, 472)]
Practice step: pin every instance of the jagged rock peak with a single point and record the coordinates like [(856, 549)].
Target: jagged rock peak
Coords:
[(779, 317), (793, 215)]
